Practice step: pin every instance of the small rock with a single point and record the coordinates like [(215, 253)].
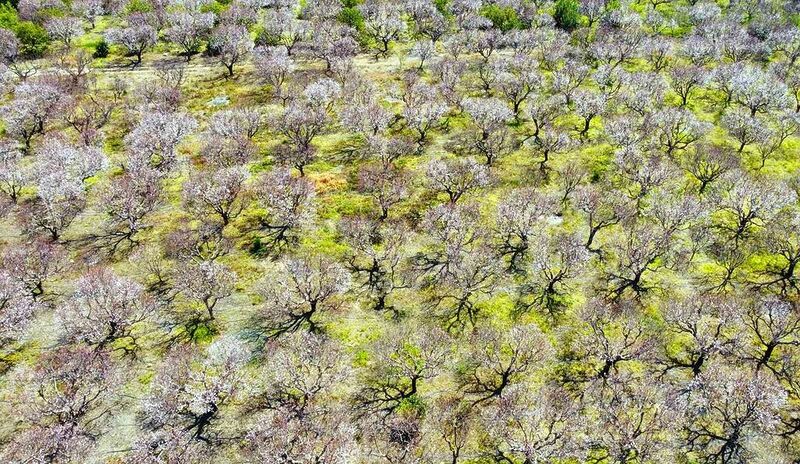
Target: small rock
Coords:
[(221, 100)]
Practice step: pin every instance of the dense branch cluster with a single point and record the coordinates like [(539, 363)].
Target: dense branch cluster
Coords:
[(413, 231)]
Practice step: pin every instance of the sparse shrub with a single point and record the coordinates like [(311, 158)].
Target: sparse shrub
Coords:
[(567, 15), (101, 50), (504, 18)]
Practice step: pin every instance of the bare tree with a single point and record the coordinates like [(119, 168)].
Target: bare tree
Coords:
[(521, 217), (557, 262), (300, 123), (779, 272), (93, 112), (18, 310), (377, 260), (382, 23), (726, 410), (299, 292), (707, 324), (707, 163), (64, 29), (496, 361), (533, 424), (153, 143), (456, 177), (105, 310), (611, 336), (388, 186), (186, 401), (488, 136), (13, 176), (205, 283), (231, 43), (685, 79), (299, 416), (221, 195), (633, 420), (423, 109), (403, 362), (775, 324), (126, 203), (189, 30), (64, 399), (34, 107), (289, 203), (600, 210), (136, 38), (275, 66)]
